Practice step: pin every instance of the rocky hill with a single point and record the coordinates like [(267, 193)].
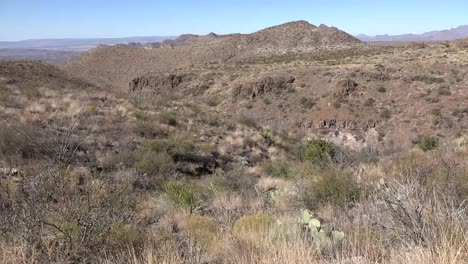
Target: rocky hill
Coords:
[(117, 65), (313, 81)]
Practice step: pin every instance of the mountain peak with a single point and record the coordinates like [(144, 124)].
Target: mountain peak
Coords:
[(299, 35)]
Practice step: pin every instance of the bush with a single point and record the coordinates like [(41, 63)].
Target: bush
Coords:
[(334, 187), (369, 102), (280, 169), (428, 144), (9, 141), (319, 152), (381, 89), (385, 114), (212, 101), (307, 102), (237, 180), (184, 194), (154, 163)]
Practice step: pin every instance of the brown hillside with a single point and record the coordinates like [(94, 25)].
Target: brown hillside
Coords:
[(117, 65)]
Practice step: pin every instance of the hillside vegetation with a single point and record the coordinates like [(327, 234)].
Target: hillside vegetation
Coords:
[(331, 153)]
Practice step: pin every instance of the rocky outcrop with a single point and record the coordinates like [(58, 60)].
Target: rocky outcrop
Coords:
[(338, 124), (264, 85), (166, 81), (345, 87)]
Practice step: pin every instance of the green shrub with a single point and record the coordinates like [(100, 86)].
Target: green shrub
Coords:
[(319, 152), (266, 101), (334, 187), (428, 143), (280, 169), (154, 163), (184, 194), (267, 136), (307, 103)]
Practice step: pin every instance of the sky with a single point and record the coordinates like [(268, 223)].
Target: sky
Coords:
[(36, 19)]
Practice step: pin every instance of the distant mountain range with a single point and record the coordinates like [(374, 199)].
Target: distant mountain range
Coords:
[(77, 44), (449, 34)]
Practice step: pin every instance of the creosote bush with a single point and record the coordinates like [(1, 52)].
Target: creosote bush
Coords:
[(319, 152), (331, 187), (428, 143)]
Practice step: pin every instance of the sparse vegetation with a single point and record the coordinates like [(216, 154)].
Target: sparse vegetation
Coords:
[(308, 103), (428, 143), (214, 161)]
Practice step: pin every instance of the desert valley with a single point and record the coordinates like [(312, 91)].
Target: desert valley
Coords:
[(293, 144)]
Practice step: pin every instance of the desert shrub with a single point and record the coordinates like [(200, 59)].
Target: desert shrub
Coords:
[(184, 194), (124, 157), (319, 152), (154, 163), (65, 220), (280, 169), (202, 230), (252, 225), (169, 119), (212, 101), (460, 113), (336, 104), (175, 145), (381, 89), (369, 102), (428, 143), (332, 187), (307, 103), (436, 112), (248, 121), (428, 79), (148, 129), (266, 101), (140, 115), (385, 114), (122, 235), (444, 90), (267, 137), (236, 180), (10, 141)]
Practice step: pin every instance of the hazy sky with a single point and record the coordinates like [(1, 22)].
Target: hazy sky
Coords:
[(27, 19)]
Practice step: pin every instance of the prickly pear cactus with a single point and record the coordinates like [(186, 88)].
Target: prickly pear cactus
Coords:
[(325, 238)]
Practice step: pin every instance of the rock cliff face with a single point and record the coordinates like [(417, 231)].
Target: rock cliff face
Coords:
[(167, 81), (263, 85)]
